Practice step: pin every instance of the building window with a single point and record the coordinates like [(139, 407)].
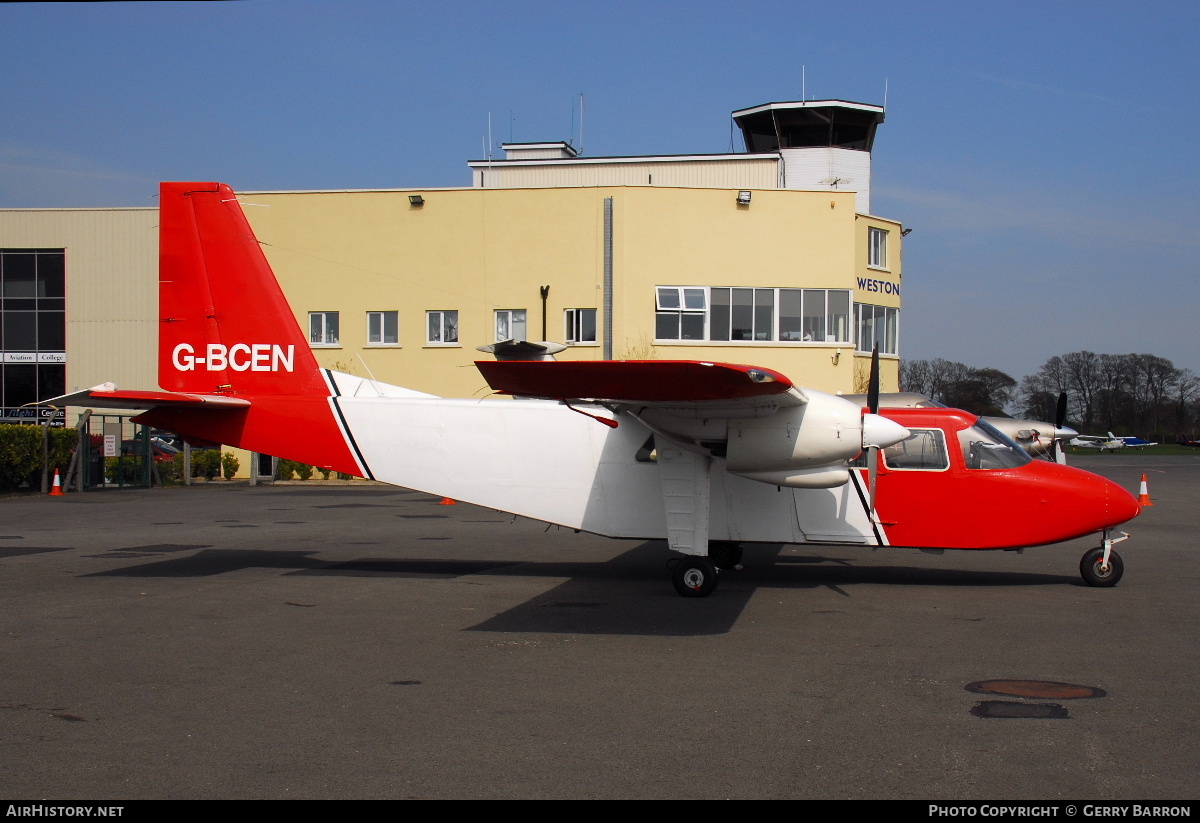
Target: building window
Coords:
[(510, 324), (680, 313), (383, 328), (721, 314), (581, 325), (814, 315), (742, 314), (443, 327), (877, 325), (33, 343), (877, 248), (323, 328)]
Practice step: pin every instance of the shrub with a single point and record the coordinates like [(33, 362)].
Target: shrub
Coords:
[(285, 470), (229, 465), (21, 454), (206, 463), (170, 472), (304, 471), (127, 471)]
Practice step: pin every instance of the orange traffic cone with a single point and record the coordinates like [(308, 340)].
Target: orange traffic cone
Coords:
[(446, 501), (1144, 494), (56, 489)]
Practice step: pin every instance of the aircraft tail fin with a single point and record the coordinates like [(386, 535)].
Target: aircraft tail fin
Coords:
[(225, 325), (227, 333)]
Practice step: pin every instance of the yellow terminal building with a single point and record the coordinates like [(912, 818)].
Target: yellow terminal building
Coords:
[(768, 257)]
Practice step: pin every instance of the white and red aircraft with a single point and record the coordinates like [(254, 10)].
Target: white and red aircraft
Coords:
[(705, 455)]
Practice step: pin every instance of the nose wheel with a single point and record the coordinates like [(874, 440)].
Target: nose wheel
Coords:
[(1101, 567), (694, 576)]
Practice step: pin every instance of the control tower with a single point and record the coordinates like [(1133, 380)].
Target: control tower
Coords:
[(822, 144)]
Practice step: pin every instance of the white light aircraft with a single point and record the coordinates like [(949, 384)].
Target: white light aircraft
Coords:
[(1109, 443)]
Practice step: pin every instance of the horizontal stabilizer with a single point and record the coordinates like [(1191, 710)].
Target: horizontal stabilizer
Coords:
[(106, 396)]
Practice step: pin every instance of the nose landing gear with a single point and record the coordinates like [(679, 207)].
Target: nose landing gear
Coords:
[(1102, 566)]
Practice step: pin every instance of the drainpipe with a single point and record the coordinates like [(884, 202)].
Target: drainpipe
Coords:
[(608, 278)]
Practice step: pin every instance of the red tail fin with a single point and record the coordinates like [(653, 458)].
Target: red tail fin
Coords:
[(226, 326), (227, 329)]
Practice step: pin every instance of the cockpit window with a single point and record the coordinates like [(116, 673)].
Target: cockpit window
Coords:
[(924, 449), (984, 447)]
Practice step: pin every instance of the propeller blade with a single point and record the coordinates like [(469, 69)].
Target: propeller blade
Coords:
[(873, 385), (1060, 417)]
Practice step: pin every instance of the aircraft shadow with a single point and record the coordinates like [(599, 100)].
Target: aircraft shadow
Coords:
[(630, 594)]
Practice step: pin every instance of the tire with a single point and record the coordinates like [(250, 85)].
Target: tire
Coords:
[(695, 577), (726, 554), (1093, 575)]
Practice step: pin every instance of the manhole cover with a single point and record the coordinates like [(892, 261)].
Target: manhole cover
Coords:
[(1041, 689)]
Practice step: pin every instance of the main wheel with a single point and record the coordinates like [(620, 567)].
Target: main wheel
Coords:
[(1091, 567), (725, 553), (695, 577)]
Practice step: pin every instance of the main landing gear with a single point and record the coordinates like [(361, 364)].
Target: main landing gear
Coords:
[(694, 576), (1102, 566), (698, 576)]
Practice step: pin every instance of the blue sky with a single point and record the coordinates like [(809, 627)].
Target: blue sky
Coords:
[(1045, 155)]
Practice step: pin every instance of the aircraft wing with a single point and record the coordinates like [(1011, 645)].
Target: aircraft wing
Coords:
[(107, 396), (653, 383)]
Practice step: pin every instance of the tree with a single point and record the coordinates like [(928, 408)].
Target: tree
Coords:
[(979, 391), (1122, 393)]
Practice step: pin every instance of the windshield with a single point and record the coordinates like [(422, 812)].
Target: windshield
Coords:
[(984, 447)]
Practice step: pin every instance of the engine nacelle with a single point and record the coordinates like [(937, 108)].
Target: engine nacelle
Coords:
[(822, 433)]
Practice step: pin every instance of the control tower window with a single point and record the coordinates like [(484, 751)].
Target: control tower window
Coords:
[(877, 325), (877, 248)]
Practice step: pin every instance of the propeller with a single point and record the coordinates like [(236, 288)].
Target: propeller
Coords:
[(1060, 417), (872, 449), (878, 432)]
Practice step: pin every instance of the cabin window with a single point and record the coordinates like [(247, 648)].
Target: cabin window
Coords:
[(383, 328), (323, 328), (984, 447), (923, 450), (442, 328), (510, 325)]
